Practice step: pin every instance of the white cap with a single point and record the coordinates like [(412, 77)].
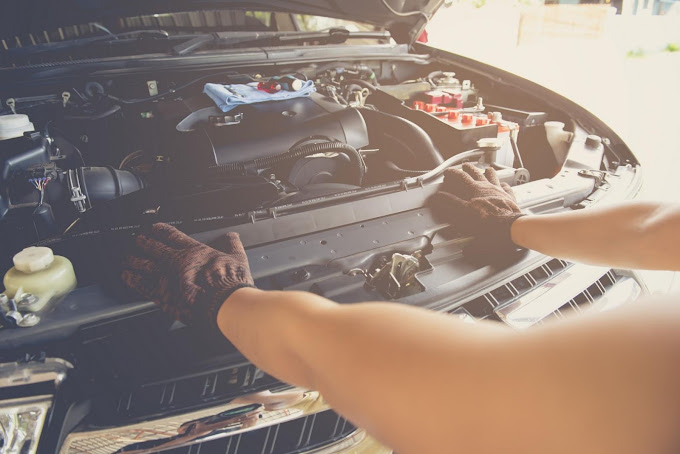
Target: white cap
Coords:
[(490, 142), (33, 259), (14, 125)]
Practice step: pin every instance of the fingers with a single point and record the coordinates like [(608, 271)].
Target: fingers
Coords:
[(458, 182), (492, 176), (230, 243), (506, 187), (474, 172), (172, 237), (154, 248), (140, 265)]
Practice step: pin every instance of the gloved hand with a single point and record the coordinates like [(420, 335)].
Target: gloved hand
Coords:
[(479, 205), (188, 279)]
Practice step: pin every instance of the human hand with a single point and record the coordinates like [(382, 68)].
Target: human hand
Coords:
[(479, 205), (188, 279)]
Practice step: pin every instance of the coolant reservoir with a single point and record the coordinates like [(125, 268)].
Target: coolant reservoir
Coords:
[(14, 125), (41, 273)]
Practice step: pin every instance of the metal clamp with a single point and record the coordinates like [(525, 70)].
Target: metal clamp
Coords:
[(599, 176), (77, 197), (358, 97)]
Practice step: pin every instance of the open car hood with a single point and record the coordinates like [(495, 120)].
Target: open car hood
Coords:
[(403, 18)]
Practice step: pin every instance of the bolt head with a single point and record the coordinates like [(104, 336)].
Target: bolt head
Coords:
[(27, 300), (28, 320), (301, 275)]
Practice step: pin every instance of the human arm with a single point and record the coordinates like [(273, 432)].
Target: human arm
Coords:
[(423, 382), (632, 235)]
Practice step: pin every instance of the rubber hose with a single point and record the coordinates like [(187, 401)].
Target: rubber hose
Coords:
[(361, 83), (406, 172), (409, 135), (314, 148), (296, 153), (232, 167), (98, 116)]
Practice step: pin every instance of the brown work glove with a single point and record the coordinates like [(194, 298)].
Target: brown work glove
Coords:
[(188, 279), (479, 205)]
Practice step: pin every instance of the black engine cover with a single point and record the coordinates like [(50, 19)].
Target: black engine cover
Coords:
[(266, 129)]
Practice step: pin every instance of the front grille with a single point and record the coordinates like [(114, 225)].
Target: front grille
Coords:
[(293, 436), (182, 393), (304, 434), (526, 291), (584, 300), (484, 306)]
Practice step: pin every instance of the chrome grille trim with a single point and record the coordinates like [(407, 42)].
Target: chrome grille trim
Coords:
[(343, 445), (107, 441), (552, 290), (570, 291)]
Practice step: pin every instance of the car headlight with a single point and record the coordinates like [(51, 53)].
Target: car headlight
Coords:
[(21, 422), (22, 418)]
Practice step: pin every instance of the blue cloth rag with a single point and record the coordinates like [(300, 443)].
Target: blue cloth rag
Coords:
[(230, 96)]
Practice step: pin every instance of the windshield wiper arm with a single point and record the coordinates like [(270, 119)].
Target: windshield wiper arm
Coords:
[(330, 36), (82, 42)]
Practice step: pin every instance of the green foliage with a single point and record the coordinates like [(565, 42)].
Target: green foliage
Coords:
[(263, 16), (635, 53), (672, 47)]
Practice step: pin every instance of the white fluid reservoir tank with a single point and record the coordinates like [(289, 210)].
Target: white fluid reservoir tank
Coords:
[(14, 125), (37, 271)]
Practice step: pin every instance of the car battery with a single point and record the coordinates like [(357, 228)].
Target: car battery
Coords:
[(452, 131)]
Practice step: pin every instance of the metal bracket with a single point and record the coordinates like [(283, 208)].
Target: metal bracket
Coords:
[(599, 176), (152, 85), (393, 277), (225, 120), (12, 104), (404, 185)]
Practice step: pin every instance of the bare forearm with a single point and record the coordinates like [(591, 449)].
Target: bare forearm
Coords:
[(266, 327), (422, 382), (636, 235), (380, 364)]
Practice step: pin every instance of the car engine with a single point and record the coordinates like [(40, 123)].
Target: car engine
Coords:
[(83, 170)]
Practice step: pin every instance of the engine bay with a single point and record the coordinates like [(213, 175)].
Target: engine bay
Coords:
[(83, 169)]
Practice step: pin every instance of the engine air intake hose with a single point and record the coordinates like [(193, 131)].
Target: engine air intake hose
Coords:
[(385, 129), (296, 153)]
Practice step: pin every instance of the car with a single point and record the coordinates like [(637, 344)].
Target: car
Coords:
[(318, 131)]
